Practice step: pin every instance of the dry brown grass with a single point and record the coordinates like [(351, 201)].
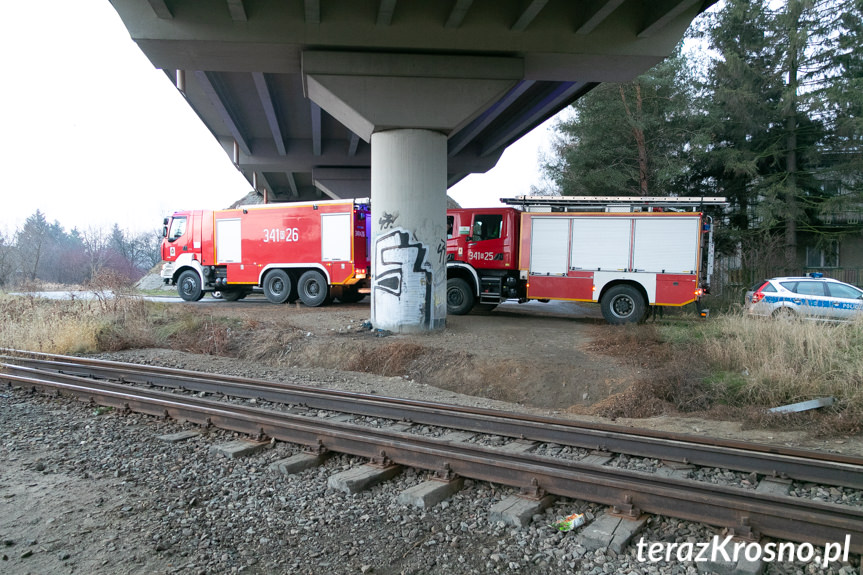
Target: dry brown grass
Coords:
[(751, 365), (50, 326), (770, 363), (733, 365), (107, 323), (391, 359)]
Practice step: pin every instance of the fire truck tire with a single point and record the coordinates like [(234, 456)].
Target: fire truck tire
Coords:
[(483, 308), (350, 295), (313, 288), (623, 304), (277, 286), (459, 297), (233, 295), (189, 286)]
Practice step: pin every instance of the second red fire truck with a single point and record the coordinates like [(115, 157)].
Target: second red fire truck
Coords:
[(627, 254)]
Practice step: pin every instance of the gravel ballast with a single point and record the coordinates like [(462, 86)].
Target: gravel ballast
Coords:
[(86, 489)]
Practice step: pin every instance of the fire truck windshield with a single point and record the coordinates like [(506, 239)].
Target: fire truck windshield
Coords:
[(178, 228)]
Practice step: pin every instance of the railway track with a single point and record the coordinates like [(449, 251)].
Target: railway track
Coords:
[(747, 513)]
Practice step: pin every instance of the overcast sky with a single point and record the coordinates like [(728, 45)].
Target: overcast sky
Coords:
[(93, 134)]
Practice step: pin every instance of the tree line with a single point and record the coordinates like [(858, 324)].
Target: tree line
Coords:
[(771, 117), (39, 250)]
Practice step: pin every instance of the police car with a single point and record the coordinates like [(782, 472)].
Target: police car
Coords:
[(810, 297)]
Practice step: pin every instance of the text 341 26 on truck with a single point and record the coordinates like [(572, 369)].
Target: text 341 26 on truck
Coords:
[(308, 251), (626, 253)]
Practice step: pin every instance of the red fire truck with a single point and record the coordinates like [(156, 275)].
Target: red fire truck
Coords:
[(310, 251), (626, 253)]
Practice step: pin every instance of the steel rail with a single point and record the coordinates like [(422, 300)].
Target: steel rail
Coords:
[(760, 459), (788, 518)]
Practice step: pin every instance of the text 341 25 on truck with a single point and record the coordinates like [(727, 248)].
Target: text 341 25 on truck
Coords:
[(626, 253)]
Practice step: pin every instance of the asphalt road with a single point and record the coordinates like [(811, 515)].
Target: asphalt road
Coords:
[(536, 308)]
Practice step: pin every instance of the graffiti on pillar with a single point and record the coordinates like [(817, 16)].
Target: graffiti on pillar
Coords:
[(441, 250), (403, 281), (387, 221)]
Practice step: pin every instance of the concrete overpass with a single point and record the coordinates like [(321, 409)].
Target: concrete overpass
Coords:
[(301, 93)]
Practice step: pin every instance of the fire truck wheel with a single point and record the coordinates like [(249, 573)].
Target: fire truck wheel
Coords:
[(189, 286), (350, 295), (623, 304), (459, 297), (313, 288), (233, 295), (277, 286)]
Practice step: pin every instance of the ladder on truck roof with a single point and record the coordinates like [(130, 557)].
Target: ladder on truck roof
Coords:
[(612, 202)]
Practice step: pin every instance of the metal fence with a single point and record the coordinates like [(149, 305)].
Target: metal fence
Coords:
[(731, 279)]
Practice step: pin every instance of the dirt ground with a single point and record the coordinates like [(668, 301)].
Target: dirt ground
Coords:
[(534, 354), (538, 357)]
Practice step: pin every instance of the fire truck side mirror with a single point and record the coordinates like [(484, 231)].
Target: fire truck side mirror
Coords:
[(165, 231)]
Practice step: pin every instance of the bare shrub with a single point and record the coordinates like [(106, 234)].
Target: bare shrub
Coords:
[(639, 401), (110, 287), (392, 359)]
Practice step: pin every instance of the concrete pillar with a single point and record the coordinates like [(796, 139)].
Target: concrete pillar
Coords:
[(406, 106), (408, 228)]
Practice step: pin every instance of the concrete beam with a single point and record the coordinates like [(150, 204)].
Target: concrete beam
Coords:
[(316, 128), (312, 11), (160, 8), (354, 144), (458, 14), (263, 183), (215, 93), (468, 134), (556, 99), (292, 182), (528, 15), (385, 12), (343, 183), (269, 110), (662, 18), (371, 92), (599, 16), (237, 10)]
